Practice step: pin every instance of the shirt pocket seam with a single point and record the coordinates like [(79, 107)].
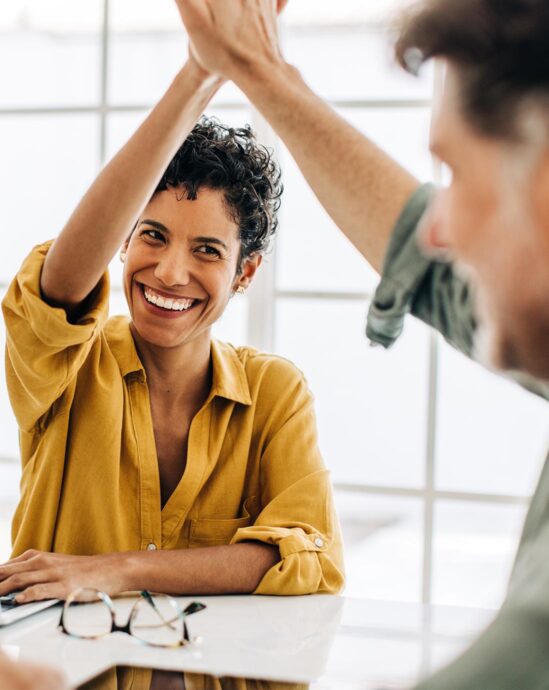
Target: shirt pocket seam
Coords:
[(219, 530)]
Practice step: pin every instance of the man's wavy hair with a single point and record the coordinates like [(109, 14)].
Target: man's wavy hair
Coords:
[(500, 49), (231, 160)]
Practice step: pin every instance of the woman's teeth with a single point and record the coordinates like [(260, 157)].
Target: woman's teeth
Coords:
[(167, 302)]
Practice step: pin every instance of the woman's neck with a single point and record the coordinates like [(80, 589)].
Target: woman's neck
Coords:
[(178, 375)]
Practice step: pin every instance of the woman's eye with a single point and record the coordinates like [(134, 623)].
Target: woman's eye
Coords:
[(152, 235), (208, 250)]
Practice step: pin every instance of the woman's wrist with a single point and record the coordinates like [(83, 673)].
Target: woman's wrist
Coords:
[(201, 81), (117, 570)]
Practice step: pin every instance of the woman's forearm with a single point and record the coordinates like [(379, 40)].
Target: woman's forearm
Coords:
[(108, 211), (233, 569)]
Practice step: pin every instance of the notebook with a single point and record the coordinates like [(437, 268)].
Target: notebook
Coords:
[(11, 611)]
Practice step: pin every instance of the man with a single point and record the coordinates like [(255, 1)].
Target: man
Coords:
[(489, 297)]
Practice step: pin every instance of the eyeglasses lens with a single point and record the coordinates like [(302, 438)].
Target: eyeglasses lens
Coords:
[(88, 617), (158, 621)]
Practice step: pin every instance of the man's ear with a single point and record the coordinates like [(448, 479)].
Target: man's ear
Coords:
[(247, 272)]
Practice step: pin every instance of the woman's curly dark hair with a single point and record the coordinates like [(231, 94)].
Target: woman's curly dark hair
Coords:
[(220, 157)]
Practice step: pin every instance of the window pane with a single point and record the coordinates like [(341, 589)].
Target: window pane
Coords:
[(47, 163), (148, 47), (232, 327), (492, 435), (383, 546), (142, 65), (120, 126), (312, 253), (9, 441), (343, 12), (9, 481), (370, 404), (402, 132), (351, 62), (53, 51), (474, 547)]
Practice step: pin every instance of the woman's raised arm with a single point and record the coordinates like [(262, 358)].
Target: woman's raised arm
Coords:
[(110, 208)]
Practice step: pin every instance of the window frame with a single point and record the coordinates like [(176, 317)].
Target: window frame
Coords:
[(263, 296)]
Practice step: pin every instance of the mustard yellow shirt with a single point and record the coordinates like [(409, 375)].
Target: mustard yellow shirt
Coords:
[(90, 480), (134, 678)]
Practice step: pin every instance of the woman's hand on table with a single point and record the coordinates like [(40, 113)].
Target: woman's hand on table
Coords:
[(40, 575), (24, 676)]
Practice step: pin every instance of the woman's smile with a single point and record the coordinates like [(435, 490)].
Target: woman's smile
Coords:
[(164, 305)]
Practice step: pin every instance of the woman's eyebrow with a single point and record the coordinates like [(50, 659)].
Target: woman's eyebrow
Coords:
[(211, 240), (154, 224)]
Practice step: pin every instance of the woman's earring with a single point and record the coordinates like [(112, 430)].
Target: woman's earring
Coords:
[(122, 256), (240, 290)]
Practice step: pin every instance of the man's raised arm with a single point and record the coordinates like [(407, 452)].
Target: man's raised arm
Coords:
[(359, 185)]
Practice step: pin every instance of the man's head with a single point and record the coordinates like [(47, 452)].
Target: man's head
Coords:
[(491, 128)]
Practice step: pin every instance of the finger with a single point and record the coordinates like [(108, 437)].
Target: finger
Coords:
[(280, 5), (20, 581), (25, 556), (13, 567), (44, 590), (37, 560)]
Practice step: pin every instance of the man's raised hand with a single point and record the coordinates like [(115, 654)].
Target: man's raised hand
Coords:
[(228, 36)]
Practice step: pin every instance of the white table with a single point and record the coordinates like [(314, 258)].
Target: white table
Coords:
[(328, 641)]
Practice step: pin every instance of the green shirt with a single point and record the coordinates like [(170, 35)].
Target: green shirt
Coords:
[(513, 653)]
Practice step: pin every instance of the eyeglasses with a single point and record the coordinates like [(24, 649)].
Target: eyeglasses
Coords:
[(156, 619)]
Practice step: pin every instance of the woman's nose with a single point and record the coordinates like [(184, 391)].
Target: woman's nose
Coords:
[(172, 269)]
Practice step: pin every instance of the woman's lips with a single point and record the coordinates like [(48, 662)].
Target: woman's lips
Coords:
[(165, 305)]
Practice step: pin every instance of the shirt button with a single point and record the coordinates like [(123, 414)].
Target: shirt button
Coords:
[(319, 542), (151, 547)]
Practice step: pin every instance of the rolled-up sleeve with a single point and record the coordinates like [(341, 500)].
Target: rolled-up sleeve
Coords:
[(44, 351), (413, 283), (298, 514)]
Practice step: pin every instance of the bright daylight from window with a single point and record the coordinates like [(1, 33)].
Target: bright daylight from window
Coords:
[(432, 457)]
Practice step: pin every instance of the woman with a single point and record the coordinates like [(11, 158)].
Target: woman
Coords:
[(153, 456)]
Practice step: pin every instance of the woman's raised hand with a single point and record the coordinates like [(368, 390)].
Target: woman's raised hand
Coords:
[(230, 35)]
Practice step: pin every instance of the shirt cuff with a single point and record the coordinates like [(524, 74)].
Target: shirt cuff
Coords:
[(289, 540), (404, 268)]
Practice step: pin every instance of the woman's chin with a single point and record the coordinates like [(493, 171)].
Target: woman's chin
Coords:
[(166, 338)]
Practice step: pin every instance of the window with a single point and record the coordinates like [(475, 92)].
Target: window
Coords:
[(433, 459)]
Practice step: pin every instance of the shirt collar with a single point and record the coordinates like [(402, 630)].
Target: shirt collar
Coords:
[(229, 378), (121, 342)]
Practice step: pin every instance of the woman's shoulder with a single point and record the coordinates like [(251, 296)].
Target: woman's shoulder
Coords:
[(262, 367)]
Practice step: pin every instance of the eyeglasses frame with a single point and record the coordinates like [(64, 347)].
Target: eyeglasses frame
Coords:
[(186, 639)]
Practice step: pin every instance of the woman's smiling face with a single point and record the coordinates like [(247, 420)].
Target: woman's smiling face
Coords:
[(182, 266)]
